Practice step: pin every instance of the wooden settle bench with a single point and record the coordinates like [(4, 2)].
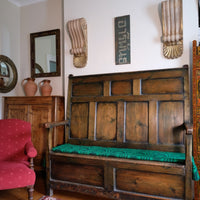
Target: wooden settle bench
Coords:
[(134, 111)]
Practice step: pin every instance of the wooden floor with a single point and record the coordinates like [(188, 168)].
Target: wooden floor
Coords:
[(21, 193)]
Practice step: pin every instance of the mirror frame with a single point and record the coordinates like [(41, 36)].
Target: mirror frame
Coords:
[(13, 83), (34, 65)]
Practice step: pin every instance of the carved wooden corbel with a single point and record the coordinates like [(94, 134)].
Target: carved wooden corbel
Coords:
[(77, 30), (172, 28)]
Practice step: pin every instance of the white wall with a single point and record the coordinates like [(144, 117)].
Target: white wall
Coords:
[(146, 46), (16, 24), (10, 40), (39, 17)]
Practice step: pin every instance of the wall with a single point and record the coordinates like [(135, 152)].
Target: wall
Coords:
[(39, 17), (16, 24), (146, 46), (10, 40)]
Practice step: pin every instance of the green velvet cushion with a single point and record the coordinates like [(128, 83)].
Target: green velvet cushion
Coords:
[(138, 154)]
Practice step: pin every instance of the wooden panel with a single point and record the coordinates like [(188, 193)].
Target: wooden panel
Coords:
[(68, 110), (84, 174), (121, 87), (79, 120), (120, 121), (198, 133), (150, 183), (31, 100), (143, 75), (137, 122), (88, 89), (40, 114), (136, 86), (106, 127), (17, 112), (170, 119), (153, 122), (92, 108), (106, 88), (58, 115), (108, 177), (161, 86)]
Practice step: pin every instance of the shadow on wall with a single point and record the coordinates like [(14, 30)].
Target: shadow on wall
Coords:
[(155, 17)]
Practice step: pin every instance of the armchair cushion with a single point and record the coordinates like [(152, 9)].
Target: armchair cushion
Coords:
[(14, 134), (15, 174)]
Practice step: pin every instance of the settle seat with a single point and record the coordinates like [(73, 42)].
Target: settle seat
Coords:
[(16, 156), (128, 136)]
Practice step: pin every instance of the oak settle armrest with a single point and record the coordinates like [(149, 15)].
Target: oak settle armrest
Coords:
[(50, 126), (189, 128), (54, 124)]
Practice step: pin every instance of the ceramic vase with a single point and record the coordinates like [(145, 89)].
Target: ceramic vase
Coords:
[(30, 87), (45, 87)]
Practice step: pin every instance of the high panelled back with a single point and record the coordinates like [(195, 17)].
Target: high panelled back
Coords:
[(136, 109)]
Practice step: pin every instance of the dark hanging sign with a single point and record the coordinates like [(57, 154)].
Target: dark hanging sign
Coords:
[(122, 40)]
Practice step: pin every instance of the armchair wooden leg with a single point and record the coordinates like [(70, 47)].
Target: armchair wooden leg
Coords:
[(30, 192)]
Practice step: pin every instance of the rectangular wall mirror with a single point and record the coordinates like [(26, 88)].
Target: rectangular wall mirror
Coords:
[(45, 53)]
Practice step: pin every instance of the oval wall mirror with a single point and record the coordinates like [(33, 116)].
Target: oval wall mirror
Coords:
[(45, 53), (8, 74)]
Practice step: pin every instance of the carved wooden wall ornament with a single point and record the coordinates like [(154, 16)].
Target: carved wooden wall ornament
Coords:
[(172, 28), (77, 30)]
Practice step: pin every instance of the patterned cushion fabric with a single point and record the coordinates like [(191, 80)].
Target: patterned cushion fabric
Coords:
[(15, 175), (138, 154), (30, 149), (14, 134)]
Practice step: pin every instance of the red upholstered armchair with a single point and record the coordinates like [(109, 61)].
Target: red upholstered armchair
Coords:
[(16, 156)]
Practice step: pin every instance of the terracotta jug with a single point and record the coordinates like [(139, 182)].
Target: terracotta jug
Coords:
[(30, 87), (45, 87)]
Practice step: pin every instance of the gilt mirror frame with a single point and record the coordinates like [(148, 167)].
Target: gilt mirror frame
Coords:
[(8, 76), (35, 66)]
